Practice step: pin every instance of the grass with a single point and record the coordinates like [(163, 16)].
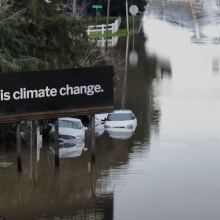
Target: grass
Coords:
[(122, 32), (119, 33), (4, 165)]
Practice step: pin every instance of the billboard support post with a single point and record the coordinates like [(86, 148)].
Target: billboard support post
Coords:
[(18, 140), (57, 160), (93, 138)]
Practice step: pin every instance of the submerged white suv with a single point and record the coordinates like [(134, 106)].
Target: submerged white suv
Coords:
[(71, 129), (121, 119)]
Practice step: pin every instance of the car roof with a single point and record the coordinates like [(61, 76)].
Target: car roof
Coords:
[(70, 119), (122, 111)]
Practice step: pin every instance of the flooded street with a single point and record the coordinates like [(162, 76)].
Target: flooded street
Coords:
[(168, 168)]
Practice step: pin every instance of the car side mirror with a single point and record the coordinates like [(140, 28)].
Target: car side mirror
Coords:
[(85, 128), (49, 127)]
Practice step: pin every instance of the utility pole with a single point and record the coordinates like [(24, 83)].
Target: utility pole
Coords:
[(107, 23), (126, 6)]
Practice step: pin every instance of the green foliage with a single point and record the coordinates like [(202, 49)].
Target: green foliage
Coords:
[(7, 135), (40, 36), (4, 165)]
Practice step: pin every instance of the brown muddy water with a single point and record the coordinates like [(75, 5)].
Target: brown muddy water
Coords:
[(169, 168)]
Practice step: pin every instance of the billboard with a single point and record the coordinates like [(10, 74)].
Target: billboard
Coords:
[(55, 93)]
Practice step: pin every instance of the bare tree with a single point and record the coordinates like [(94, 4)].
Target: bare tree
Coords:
[(77, 10), (5, 5)]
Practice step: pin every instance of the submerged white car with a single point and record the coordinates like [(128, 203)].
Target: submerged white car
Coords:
[(121, 119), (70, 151), (99, 123), (71, 130)]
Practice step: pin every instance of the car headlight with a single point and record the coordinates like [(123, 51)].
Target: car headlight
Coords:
[(129, 126)]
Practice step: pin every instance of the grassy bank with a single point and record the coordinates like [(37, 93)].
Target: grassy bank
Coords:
[(122, 30)]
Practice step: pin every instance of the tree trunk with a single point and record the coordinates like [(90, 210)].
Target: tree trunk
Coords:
[(74, 8)]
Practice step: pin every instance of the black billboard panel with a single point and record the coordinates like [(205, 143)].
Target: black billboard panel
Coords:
[(55, 93)]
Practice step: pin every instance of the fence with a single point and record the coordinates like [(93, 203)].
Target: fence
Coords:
[(102, 27), (111, 42)]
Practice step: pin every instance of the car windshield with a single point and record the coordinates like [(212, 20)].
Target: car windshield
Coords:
[(70, 124), (120, 116)]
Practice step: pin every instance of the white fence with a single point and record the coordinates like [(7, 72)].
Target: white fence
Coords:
[(111, 42), (102, 27)]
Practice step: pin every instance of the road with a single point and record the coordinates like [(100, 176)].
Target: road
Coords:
[(202, 17)]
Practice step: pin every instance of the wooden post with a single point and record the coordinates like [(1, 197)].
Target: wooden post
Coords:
[(18, 138), (93, 138), (92, 180), (19, 192), (31, 149), (124, 85), (96, 12), (57, 160)]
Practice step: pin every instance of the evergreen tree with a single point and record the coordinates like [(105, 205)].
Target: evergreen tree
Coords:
[(37, 35)]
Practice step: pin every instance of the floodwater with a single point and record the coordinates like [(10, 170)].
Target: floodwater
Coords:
[(169, 168)]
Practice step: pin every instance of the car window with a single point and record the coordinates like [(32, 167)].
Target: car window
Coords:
[(120, 116), (70, 124)]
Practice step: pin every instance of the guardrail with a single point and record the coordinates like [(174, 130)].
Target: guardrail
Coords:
[(103, 27)]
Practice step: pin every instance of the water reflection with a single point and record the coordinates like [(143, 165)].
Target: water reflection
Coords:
[(69, 193), (72, 151), (176, 49), (120, 133), (212, 31), (111, 42), (99, 129)]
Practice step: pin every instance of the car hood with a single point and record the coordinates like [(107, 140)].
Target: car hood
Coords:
[(70, 131)]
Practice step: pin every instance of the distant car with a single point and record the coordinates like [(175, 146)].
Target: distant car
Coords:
[(71, 130), (100, 118), (121, 119), (99, 123)]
